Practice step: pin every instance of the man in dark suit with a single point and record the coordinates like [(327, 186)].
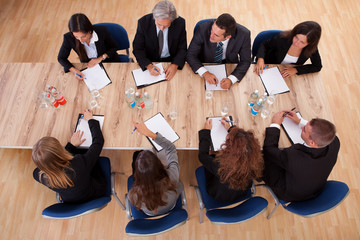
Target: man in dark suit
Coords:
[(222, 41), (300, 172), (161, 37)]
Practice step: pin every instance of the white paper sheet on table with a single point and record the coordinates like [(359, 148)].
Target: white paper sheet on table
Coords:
[(273, 81), (83, 125), (157, 123), (292, 130), (96, 77), (219, 71), (144, 78), (218, 132)]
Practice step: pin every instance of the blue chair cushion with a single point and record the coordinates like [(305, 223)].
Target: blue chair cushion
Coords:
[(155, 226), (333, 193), (242, 212), (202, 21), (262, 36), (211, 203)]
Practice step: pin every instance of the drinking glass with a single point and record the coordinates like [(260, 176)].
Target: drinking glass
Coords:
[(265, 112), (93, 103), (209, 94), (271, 98), (43, 103), (225, 109), (95, 93), (173, 113)]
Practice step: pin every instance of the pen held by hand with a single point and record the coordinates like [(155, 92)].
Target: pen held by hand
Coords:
[(284, 115), (134, 130)]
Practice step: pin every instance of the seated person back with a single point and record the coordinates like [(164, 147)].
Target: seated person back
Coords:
[(220, 41), (161, 37), (229, 172), (300, 172)]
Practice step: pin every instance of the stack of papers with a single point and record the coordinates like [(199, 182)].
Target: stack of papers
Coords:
[(83, 125), (96, 77), (144, 78), (273, 81), (220, 72)]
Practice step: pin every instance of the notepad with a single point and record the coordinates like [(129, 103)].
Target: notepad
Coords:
[(144, 78), (218, 132), (292, 130), (83, 125), (158, 124), (96, 77), (219, 71), (273, 81)]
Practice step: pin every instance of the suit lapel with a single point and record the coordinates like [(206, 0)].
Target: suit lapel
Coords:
[(153, 36)]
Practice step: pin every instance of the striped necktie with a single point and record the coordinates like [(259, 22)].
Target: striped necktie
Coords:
[(219, 53)]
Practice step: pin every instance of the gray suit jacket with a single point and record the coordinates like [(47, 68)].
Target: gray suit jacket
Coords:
[(201, 50)]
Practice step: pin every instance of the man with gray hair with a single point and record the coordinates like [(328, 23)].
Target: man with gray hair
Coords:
[(300, 172), (161, 37)]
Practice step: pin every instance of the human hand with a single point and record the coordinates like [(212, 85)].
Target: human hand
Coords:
[(259, 67), (278, 117), (288, 72), (88, 114), (210, 78), (208, 124), (225, 124), (79, 75), (143, 130), (94, 61), (225, 83), (154, 70), (76, 138), (170, 71), (292, 115)]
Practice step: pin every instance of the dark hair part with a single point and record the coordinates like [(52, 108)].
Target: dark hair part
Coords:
[(312, 31), (240, 159), (80, 23), (151, 182), (226, 22), (323, 132)]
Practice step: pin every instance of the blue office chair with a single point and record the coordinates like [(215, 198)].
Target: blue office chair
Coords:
[(120, 35), (332, 195), (262, 36), (202, 21), (249, 207), (66, 210), (143, 225)]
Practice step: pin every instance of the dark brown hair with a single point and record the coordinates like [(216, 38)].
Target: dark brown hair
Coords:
[(240, 159), (312, 31), (151, 182), (226, 22), (80, 23), (322, 131)]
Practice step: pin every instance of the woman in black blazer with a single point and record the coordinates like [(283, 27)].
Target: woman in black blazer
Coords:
[(93, 44), (292, 47)]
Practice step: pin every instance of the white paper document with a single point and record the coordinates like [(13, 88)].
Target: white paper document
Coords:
[(218, 132), (96, 77), (273, 81), (293, 130), (157, 123), (144, 78), (220, 72), (83, 125)]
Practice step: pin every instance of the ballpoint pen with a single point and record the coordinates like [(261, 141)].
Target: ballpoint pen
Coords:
[(228, 121), (266, 66), (134, 130), (156, 69), (284, 115), (79, 75)]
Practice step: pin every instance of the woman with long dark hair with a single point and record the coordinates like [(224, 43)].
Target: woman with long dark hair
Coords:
[(230, 171), (93, 44), (75, 175), (295, 46), (156, 186)]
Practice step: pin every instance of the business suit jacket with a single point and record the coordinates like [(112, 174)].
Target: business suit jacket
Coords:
[(146, 45), (297, 173), (219, 191), (105, 44), (201, 50), (274, 50)]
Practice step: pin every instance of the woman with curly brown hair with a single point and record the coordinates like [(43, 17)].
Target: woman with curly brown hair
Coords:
[(230, 171)]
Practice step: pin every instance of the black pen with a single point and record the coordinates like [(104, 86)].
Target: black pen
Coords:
[(284, 115)]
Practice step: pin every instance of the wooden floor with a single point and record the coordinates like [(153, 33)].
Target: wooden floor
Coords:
[(31, 31)]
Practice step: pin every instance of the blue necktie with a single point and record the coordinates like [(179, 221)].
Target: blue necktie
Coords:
[(219, 53)]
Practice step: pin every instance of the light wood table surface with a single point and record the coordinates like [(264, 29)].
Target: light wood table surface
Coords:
[(23, 123)]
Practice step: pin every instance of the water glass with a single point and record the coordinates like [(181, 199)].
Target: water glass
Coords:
[(224, 109), (93, 103), (95, 93), (209, 94), (265, 112), (43, 103), (173, 113), (271, 98)]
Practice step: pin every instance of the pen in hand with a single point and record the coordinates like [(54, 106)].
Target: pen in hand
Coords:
[(134, 130), (156, 70), (284, 115), (266, 66), (79, 75), (228, 121)]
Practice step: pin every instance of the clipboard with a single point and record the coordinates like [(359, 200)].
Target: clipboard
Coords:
[(292, 130), (273, 82), (218, 133), (84, 126), (100, 80), (144, 78), (219, 70)]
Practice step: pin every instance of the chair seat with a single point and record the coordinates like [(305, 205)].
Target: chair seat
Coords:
[(67, 210), (148, 227), (242, 212)]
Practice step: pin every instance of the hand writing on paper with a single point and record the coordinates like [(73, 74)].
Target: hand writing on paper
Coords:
[(210, 78), (292, 115), (76, 138), (170, 71), (154, 70), (225, 124), (225, 83), (278, 117), (79, 75), (88, 114), (143, 130)]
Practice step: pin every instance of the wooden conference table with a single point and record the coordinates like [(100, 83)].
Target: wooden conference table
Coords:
[(23, 123)]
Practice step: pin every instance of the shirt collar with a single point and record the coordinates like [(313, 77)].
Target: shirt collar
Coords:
[(94, 38)]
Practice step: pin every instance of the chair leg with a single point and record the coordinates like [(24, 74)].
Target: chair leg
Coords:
[(128, 208), (201, 203), (277, 202), (113, 192)]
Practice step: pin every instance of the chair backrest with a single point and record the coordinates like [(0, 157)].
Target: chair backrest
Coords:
[(67, 211), (262, 36), (202, 21)]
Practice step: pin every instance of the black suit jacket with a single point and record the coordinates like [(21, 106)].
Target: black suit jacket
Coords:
[(146, 46), (297, 173), (274, 50), (219, 191), (201, 50), (105, 44)]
